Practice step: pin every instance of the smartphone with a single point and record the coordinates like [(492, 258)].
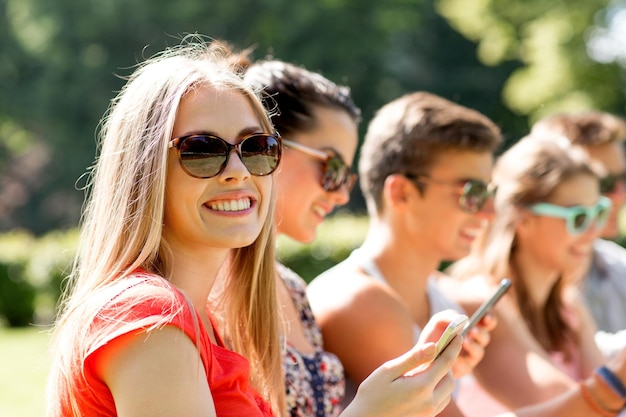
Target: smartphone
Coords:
[(505, 284), (454, 328)]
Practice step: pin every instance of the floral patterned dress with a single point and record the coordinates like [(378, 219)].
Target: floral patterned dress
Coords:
[(314, 382)]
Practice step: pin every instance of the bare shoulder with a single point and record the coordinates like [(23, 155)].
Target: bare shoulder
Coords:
[(355, 310), (129, 363), (347, 291)]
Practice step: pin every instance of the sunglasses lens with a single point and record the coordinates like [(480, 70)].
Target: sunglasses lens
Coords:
[(580, 222), (260, 154), (474, 196), (336, 174), (203, 156)]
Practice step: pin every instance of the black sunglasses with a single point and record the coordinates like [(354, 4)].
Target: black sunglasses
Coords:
[(335, 172), (609, 183), (473, 193), (205, 156)]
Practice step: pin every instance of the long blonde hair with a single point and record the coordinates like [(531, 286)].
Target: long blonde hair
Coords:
[(527, 173), (122, 220)]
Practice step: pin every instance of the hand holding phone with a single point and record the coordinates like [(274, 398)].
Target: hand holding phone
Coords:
[(482, 311), (454, 328)]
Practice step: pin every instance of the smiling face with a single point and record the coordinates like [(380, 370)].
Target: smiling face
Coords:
[(447, 230), (302, 204), (547, 238), (225, 211)]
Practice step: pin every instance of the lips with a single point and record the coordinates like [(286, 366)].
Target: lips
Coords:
[(232, 205)]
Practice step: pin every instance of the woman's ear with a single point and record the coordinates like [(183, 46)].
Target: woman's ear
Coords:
[(523, 223)]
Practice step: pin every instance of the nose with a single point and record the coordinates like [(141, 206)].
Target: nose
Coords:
[(235, 169), (340, 196)]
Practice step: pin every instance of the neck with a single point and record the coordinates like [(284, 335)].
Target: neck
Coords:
[(195, 273)]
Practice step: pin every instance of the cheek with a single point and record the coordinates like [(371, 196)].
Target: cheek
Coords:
[(182, 192), (298, 177), (174, 203), (552, 236)]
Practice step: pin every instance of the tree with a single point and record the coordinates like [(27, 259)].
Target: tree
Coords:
[(552, 41)]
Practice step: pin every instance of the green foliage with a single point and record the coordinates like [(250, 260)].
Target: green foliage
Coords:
[(17, 296), (31, 272), (550, 39), (336, 238)]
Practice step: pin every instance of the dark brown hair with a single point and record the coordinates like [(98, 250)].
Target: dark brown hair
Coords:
[(291, 93)]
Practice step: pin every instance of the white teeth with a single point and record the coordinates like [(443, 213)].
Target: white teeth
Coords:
[(231, 205), (319, 211)]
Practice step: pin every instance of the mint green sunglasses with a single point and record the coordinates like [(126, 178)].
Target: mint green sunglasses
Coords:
[(578, 219)]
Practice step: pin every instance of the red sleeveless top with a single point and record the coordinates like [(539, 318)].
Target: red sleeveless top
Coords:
[(227, 372)]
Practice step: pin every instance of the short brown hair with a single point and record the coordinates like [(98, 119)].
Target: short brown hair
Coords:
[(408, 134), (587, 129)]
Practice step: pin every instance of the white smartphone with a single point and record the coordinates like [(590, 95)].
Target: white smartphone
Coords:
[(482, 311), (454, 328)]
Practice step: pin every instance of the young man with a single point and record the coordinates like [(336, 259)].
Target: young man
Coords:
[(424, 169), (601, 135)]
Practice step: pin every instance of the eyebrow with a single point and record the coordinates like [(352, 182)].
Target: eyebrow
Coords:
[(243, 132)]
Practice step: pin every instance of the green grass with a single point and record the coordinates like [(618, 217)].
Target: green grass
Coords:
[(23, 371)]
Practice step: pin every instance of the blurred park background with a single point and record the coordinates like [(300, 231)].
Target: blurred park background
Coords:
[(61, 61)]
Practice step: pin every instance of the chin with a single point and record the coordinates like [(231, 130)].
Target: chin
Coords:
[(304, 237), (457, 254), (300, 234), (242, 239)]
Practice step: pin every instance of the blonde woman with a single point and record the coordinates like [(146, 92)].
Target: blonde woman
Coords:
[(169, 201), (182, 191), (549, 212)]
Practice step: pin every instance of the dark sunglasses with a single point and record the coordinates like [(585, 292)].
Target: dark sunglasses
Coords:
[(609, 183), (335, 172), (205, 156), (578, 219), (473, 194)]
